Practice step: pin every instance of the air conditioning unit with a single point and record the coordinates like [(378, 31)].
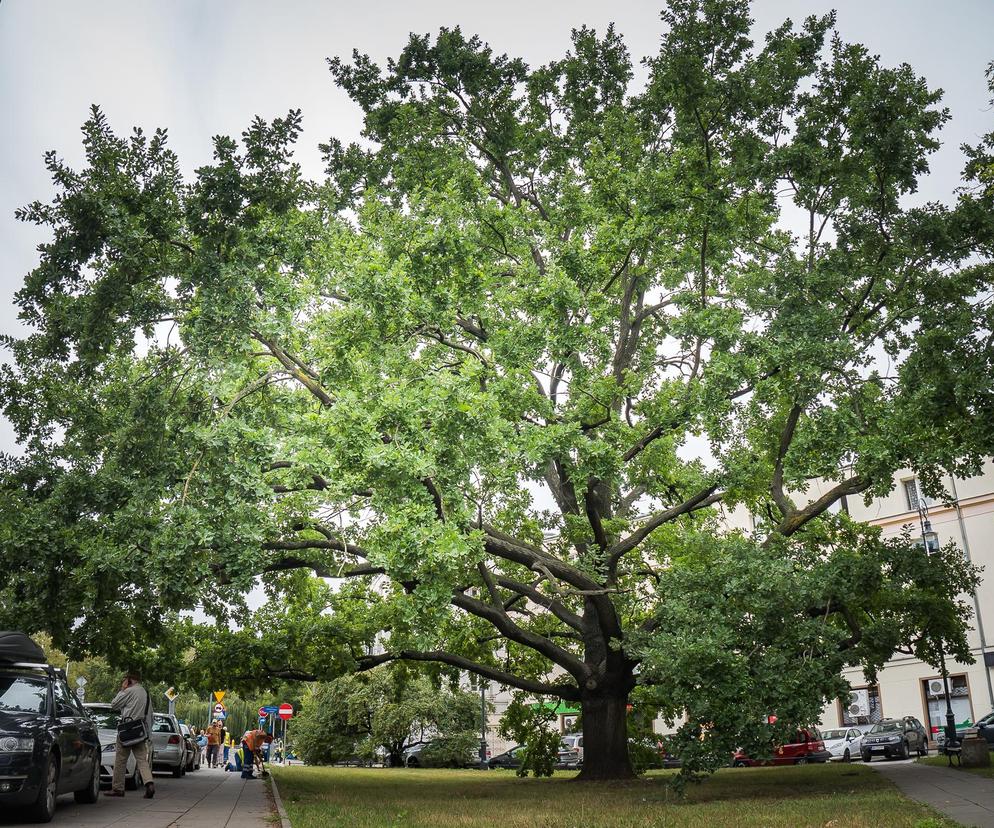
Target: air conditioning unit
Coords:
[(935, 687), (859, 703)]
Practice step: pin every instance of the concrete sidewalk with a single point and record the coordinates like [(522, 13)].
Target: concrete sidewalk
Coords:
[(958, 794), (207, 797)]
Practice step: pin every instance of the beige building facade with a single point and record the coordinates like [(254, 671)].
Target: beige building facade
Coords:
[(907, 686)]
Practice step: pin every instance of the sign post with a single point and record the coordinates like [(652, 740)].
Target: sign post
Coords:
[(171, 694)]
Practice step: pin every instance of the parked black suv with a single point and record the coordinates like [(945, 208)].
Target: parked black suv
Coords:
[(895, 739), (48, 744)]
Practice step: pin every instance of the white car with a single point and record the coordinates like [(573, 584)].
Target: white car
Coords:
[(105, 718), (844, 743)]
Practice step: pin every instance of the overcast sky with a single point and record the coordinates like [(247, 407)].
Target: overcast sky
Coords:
[(204, 67)]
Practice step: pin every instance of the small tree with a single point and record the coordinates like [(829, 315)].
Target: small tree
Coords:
[(387, 710), (530, 724)]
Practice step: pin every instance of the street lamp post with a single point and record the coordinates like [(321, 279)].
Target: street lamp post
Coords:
[(483, 724), (930, 540)]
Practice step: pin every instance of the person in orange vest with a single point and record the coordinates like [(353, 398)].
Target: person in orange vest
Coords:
[(252, 743)]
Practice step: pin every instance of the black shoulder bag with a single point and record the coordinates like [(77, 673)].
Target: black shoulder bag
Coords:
[(131, 732)]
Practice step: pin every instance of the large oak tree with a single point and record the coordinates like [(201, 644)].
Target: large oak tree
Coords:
[(511, 366)]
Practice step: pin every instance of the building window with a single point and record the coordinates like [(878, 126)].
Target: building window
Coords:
[(935, 699), (911, 493), (862, 707)]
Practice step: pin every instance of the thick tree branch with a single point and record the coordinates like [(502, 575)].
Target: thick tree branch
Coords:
[(567, 692), (298, 370), (796, 518), (536, 596), (705, 497), (776, 482), (503, 623)]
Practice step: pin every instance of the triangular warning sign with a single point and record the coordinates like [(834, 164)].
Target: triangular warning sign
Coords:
[(219, 694)]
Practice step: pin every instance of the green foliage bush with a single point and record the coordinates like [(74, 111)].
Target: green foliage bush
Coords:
[(378, 714), (530, 725)]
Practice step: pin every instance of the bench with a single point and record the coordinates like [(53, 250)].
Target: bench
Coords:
[(952, 749)]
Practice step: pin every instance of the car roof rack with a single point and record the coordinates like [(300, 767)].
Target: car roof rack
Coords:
[(48, 668)]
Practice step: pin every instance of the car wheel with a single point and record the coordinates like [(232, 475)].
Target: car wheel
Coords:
[(846, 757), (131, 782), (867, 757), (43, 808), (738, 763), (923, 750), (801, 760), (412, 762), (178, 771), (91, 793), (905, 751)]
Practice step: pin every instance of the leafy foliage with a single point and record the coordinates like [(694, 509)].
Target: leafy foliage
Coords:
[(532, 725), (514, 366), (385, 711)]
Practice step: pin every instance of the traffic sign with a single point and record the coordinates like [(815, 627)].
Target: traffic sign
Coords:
[(219, 695), (171, 693), (263, 712), (269, 708), (80, 692), (219, 708), (220, 716), (262, 720), (286, 711), (81, 681)]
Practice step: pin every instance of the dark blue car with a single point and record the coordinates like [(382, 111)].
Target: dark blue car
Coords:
[(48, 744)]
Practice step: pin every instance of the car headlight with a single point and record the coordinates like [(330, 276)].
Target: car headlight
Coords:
[(17, 744)]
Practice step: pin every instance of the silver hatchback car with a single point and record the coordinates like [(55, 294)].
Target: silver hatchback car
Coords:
[(168, 744)]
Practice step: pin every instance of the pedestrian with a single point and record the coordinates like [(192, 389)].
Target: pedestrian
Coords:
[(213, 744), (134, 703), (202, 745), (252, 743)]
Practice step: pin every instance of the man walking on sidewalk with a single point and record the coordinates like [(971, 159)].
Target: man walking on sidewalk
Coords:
[(132, 702)]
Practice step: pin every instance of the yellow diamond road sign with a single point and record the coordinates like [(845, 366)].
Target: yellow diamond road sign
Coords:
[(171, 693), (219, 695)]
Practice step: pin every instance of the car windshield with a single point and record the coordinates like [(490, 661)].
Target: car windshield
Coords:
[(160, 724), (885, 727), (23, 693), (104, 719), (834, 734)]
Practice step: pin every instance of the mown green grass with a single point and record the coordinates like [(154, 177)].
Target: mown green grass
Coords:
[(834, 796), (943, 762)]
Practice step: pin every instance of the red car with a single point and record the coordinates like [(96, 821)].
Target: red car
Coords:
[(808, 746)]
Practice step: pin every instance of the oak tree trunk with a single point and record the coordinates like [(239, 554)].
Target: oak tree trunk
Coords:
[(605, 737)]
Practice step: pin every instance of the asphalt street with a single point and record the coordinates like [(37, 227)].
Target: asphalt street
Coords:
[(207, 797)]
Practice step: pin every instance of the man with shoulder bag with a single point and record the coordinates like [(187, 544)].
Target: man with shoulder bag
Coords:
[(133, 734)]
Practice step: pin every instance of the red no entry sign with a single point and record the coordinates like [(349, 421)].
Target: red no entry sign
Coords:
[(286, 711)]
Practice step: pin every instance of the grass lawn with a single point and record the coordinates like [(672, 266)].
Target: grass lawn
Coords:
[(943, 762), (832, 796)]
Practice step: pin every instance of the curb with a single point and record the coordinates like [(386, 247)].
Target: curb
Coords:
[(284, 819)]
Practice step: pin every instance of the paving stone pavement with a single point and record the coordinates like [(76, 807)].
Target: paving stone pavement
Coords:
[(960, 795), (207, 797)]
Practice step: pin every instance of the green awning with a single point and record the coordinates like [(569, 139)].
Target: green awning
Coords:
[(559, 708)]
